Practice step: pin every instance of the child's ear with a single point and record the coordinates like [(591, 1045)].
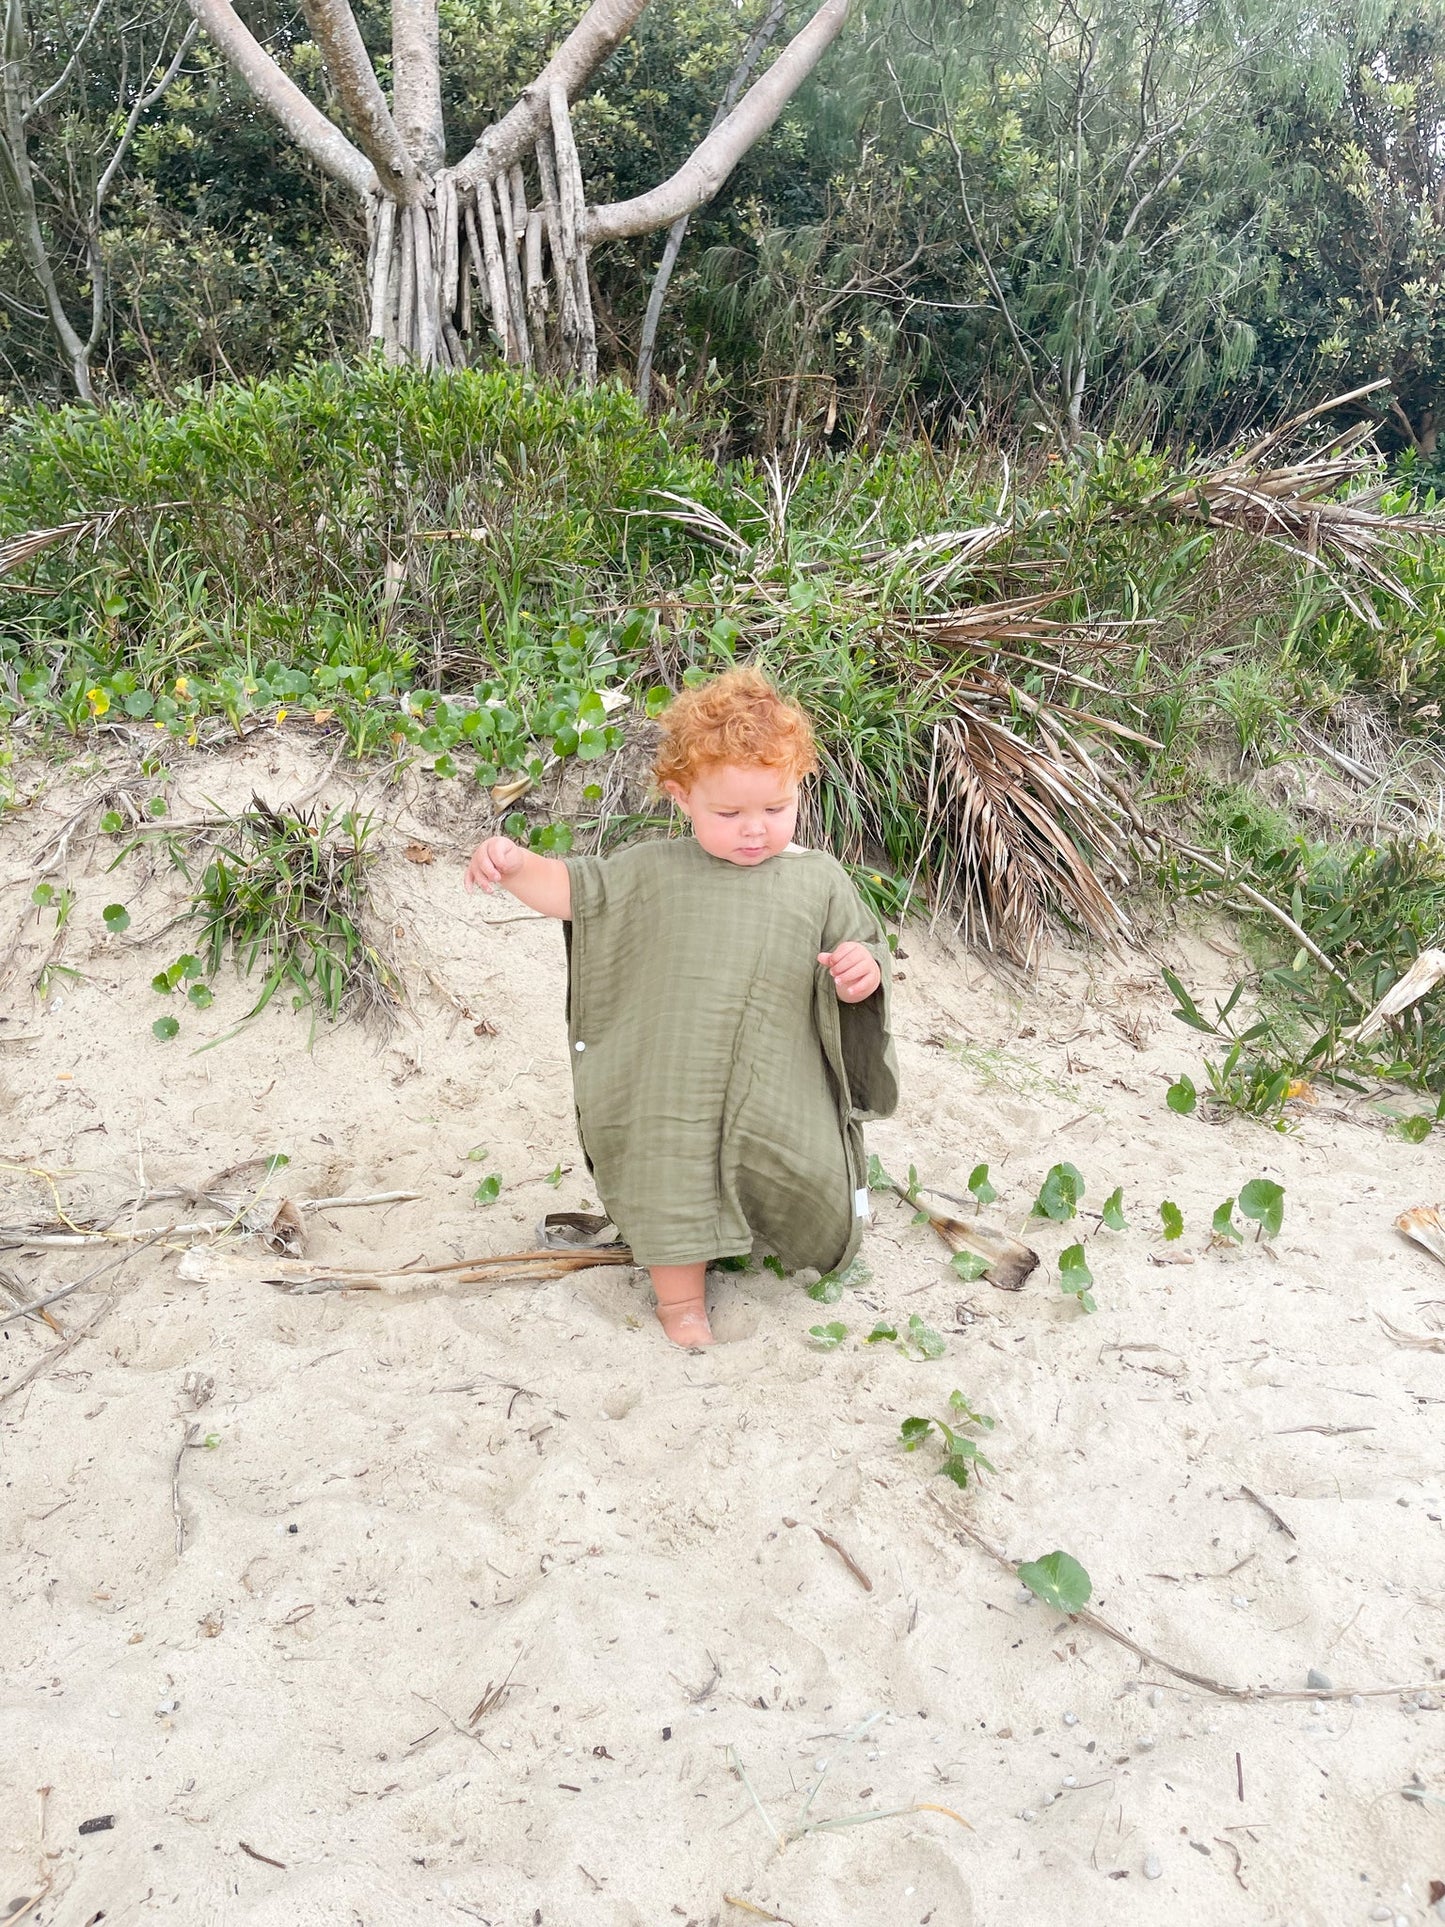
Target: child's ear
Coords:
[(678, 795)]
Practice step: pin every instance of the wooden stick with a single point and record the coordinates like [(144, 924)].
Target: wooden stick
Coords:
[(848, 1560), (1120, 1638)]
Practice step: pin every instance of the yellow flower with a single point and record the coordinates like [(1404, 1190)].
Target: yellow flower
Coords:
[(280, 715), (98, 700), (183, 687)]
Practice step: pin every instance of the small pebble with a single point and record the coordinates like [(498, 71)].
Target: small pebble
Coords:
[(1156, 1696), (1317, 1681), (166, 1707), (1356, 1700), (1239, 1600), (820, 1765), (1071, 1719), (1428, 1703), (1153, 1866), (1146, 1745), (1381, 1913), (1027, 1813), (1317, 1707), (1402, 1502), (874, 1754), (1049, 1799), (1071, 1779)]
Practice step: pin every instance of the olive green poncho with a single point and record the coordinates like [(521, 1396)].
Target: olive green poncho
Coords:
[(720, 1085)]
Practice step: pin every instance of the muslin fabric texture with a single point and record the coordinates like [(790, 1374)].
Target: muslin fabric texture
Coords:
[(720, 1086)]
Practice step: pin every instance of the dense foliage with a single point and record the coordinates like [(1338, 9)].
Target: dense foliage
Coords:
[(485, 576), (1170, 220)]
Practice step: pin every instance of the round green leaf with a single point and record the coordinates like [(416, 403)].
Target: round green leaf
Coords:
[(116, 918), (1181, 1097), (1059, 1581), (1263, 1201), (164, 1029)]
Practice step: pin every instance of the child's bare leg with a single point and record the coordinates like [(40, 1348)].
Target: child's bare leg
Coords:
[(682, 1303)]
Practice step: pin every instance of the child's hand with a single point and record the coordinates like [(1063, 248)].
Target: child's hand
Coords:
[(493, 862), (854, 971)]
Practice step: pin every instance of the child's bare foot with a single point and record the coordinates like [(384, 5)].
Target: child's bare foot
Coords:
[(682, 1303), (685, 1324)]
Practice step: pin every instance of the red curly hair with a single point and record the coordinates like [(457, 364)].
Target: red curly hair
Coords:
[(737, 718)]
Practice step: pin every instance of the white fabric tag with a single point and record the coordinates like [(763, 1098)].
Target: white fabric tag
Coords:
[(860, 1203)]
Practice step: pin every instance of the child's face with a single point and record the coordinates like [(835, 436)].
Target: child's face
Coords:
[(743, 816)]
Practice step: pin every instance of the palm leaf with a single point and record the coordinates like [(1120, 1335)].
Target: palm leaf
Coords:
[(1022, 838)]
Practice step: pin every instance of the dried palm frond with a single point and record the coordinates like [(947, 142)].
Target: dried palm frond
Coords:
[(17, 550), (1290, 505), (1015, 620), (1024, 837)]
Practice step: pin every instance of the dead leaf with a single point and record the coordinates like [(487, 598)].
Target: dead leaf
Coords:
[(1422, 1222), (211, 1625), (419, 853), (486, 1028), (286, 1233)]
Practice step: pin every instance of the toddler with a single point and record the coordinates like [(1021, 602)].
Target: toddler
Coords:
[(727, 1008)]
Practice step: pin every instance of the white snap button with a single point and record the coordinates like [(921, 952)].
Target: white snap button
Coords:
[(581, 1045)]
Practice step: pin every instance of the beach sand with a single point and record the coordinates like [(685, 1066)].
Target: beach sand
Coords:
[(394, 1503)]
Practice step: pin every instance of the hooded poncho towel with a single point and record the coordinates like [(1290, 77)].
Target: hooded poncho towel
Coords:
[(720, 1085)]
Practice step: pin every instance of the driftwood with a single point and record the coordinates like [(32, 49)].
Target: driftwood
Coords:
[(213, 1265)]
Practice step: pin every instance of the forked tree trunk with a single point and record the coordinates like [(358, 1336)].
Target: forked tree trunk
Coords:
[(499, 242)]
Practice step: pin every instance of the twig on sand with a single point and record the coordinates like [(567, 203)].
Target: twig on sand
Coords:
[(848, 1560), (264, 1858), (189, 1439), (1417, 1341), (1120, 1638), (1268, 1511), (51, 1298)]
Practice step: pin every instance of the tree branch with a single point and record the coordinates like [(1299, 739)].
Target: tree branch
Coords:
[(279, 95), (43, 100), (708, 166), (752, 53), (416, 85), (142, 104), (603, 27), (334, 29)]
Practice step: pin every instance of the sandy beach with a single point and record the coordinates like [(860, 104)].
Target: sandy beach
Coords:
[(481, 1603)]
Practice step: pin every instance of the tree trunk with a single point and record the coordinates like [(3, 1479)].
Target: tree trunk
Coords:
[(512, 214)]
